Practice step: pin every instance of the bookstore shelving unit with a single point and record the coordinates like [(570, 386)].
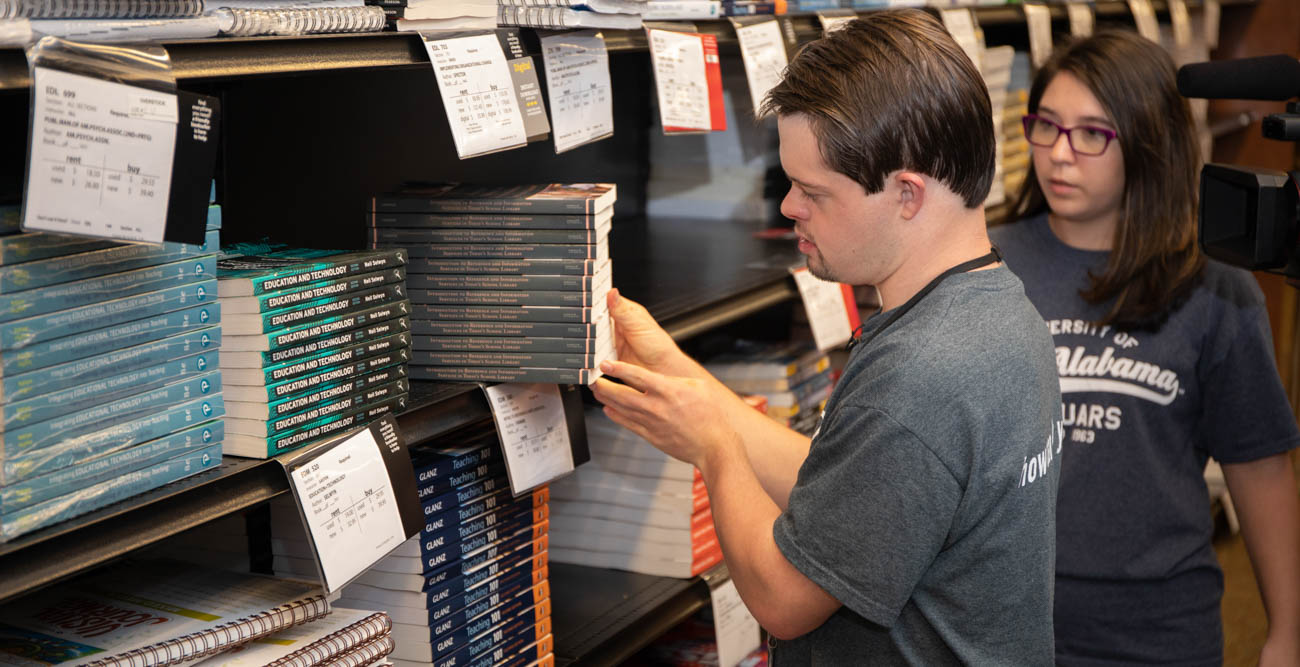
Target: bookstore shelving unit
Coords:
[(692, 277)]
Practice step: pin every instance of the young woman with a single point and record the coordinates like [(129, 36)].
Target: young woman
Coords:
[(1164, 358)]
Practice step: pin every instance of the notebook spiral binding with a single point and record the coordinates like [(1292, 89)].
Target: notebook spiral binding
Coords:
[(364, 654), (100, 9), (339, 642), (251, 22)]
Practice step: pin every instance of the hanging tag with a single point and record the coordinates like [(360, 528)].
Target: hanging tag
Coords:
[(689, 81), (577, 82), (834, 19), (960, 23), (1181, 21), (832, 310), (528, 95), (357, 498), (1081, 19), (542, 431), (1039, 20), (1145, 17), (735, 628), (763, 53), (478, 93), (1212, 11)]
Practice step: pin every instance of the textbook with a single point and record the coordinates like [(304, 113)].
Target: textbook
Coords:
[(469, 281), (315, 346), (595, 252), (319, 380), (490, 220), (251, 275), (460, 647), (310, 292), (249, 402), (455, 610), (461, 586), (562, 314), (583, 299), (323, 639), (508, 344), (551, 199), (181, 613), (269, 322), (263, 447), (528, 266), (475, 619), (470, 328), (111, 286), (383, 236), (293, 368), (502, 374), (305, 335), (556, 360), (280, 424), (65, 268), (18, 248)]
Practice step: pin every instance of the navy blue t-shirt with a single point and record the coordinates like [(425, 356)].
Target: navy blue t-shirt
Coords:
[(1137, 579)]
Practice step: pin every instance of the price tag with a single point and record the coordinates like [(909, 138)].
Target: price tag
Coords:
[(101, 158), (1212, 10), (736, 629), (832, 310), (1145, 17), (528, 94), (1181, 21), (764, 56), (833, 20), (478, 94), (357, 498), (961, 25), (534, 430), (1039, 20), (577, 81), (1081, 19), (688, 80)]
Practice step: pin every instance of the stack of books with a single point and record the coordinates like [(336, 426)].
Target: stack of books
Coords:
[(996, 66), (247, 18), (794, 378), (23, 21), (1015, 150), (507, 284), (316, 343), (558, 14), (416, 15), (632, 508), (109, 380)]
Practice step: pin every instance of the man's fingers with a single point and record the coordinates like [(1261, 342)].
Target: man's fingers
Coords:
[(622, 419), (634, 376)]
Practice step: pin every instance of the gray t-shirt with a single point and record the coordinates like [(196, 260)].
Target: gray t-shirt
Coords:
[(927, 502), (1137, 579)]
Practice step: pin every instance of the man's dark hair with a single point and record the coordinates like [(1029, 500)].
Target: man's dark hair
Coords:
[(893, 91)]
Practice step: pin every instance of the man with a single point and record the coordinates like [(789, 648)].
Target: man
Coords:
[(916, 527)]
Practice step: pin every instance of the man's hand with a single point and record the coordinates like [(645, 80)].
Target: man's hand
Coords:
[(640, 340)]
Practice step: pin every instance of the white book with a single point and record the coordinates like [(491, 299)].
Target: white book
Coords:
[(602, 6), (128, 30), (564, 489), (645, 516), (562, 17), (681, 10), (449, 9), (670, 469), (459, 23), (587, 476), (564, 526)]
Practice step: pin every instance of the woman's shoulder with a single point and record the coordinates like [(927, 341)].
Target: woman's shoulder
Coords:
[(1231, 286)]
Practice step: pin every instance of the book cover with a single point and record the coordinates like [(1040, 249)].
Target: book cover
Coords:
[(111, 286), (348, 337), (39, 273), (552, 198), (561, 314), (18, 248), (507, 344), (282, 424), (462, 586), (583, 299), (595, 252), (476, 329), (383, 236), (461, 647), (268, 322), (467, 281), (258, 404), (541, 267), (251, 275), (262, 447), (556, 360), (311, 382), (311, 292), (489, 220), (288, 370), (496, 591), (504, 374), (305, 335)]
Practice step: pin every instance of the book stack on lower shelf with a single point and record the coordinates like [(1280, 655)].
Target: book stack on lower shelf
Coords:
[(632, 508), (152, 612), (316, 343), (508, 284), (109, 371), (794, 378), (472, 587)]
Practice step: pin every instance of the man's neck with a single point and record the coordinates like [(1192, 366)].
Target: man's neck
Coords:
[(959, 239)]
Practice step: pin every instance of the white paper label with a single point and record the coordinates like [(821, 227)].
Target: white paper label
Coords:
[(534, 434), (1212, 10), (736, 629), (831, 23), (1081, 19), (763, 53), (351, 514), (961, 25), (101, 158), (1181, 21), (1039, 20), (680, 78), (577, 81), (1145, 17), (478, 94), (828, 314)]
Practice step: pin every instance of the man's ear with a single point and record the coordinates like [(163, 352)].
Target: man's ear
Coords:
[(911, 189)]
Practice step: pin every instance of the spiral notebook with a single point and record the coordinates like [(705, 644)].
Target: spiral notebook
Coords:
[(151, 613), (99, 9), (323, 640)]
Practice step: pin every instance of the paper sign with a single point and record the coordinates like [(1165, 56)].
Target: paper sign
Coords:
[(688, 80), (1212, 11), (358, 500), (833, 20), (1145, 17), (1081, 19), (478, 94), (735, 628), (764, 56), (101, 158), (960, 23), (577, 81), (528, 95), (832, 310), (1181, 21), (1039, 20), (534, 433)]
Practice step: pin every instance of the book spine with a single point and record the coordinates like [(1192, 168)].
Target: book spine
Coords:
[(318, 291), (331, 376), (18, 248), (331, 325), (112, 286), (437, 473), (480, 221), (397, 235), (491, 467), (582, 299), (64, 362), (272, 375), (31, 330), (325, 344), (678, 10), (357, 400), (455, 585), (505, 601), (313, 431), (325, 269), (503, 344), (106, 9), (567, 315), (493, 592), (530, 266), (517, 251), (482, 636), (297, 402), (429, 281), (490, 374), (462, 495), (121, 435), (506, 359), (401, 203), (470, 328), (366, 654), (30, 275), (269, 322)]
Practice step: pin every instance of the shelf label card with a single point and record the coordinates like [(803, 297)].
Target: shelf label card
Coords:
[(577, 81), (1212, 11), (101, 157), (960, 23), (1181, 21), (534, 433), (1039, 20), (528, 93), (763, 52), (834, 19), (358, 500), (1145, 17), (688, 79), (1081, 19), (831, 307), (736, 629), (478, 94)]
